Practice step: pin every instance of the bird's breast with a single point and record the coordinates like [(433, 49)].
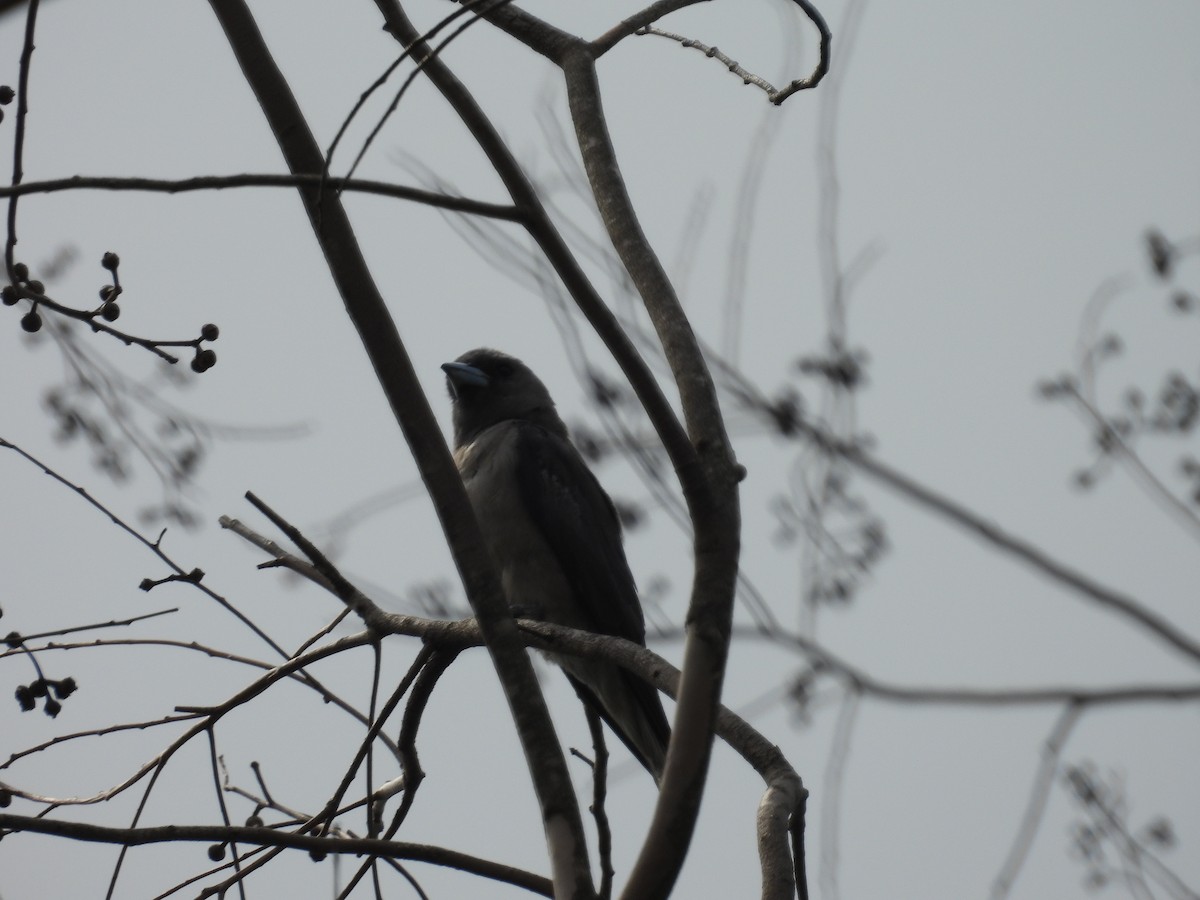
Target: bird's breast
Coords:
[(531, 575)]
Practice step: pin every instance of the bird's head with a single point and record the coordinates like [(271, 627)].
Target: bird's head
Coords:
[(488, 387)]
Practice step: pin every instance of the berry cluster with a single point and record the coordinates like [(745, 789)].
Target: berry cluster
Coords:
[(205, 358), (9, 295), (21, 286), (51, 689), (109, 311)]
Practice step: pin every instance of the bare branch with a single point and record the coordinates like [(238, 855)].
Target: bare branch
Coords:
[(1018, 547), (367, 310), (211, 715), (776, 819), (536, 34), (976, 524), (112, 623), (1039, 795), (434, 666), (1180, 511), (18, 172), (323, 820), (599, 765), (636, 22), (269, 837), (729, 62), (831, 807), (776, 95), (228, 182), (708, 475), (154, 546), (803, 84)]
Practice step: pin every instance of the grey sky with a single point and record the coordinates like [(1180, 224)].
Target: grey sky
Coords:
[(1004, 160)]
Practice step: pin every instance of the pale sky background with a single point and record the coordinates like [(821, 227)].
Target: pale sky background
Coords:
[(1005, 159)]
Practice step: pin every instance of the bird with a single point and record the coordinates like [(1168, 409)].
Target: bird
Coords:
[(553, 534)]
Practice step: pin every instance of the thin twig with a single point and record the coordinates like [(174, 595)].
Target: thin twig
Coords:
[(775, 95), (599, 764), (638, 20), (504, 212), (1152, 484), (269, 837), (112, 623), (214, 758), (835, 779), (381, 80), (1039, 796), (431, 54), (18, 173), (320, 823), (433, 665)]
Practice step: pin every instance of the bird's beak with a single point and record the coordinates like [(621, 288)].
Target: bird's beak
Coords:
[(460, 375)]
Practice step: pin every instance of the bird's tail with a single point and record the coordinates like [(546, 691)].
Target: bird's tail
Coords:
[(629, 706)]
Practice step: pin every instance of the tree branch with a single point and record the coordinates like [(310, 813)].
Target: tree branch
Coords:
[(638, 20), (1039, 796), (782, 804), (1017, 546), (973, 522), (368, 311), (227, 182), (537, 34), (270, 837), (545, 234)]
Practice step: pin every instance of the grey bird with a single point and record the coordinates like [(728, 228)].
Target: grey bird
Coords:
[(553, 533)]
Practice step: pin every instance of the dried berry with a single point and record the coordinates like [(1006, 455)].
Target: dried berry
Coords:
[(110, 261), (9, 295), (6, 95), (210, 332), (21, 271), (110, 311), (36, 286), (204, 360), (31, 321), (25, 698)]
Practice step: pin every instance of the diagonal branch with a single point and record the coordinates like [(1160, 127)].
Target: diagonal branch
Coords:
[(642, 23), (973, 522), (1039, 796), (1016, 546), (367, 310)]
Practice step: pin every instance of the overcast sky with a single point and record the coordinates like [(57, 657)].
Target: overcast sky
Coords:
[(997, 163)]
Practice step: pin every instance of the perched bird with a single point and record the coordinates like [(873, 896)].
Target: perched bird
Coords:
[(553, 533)]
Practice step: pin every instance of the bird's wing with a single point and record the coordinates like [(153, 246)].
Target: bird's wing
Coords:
[(577, 520), (579, 524)]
